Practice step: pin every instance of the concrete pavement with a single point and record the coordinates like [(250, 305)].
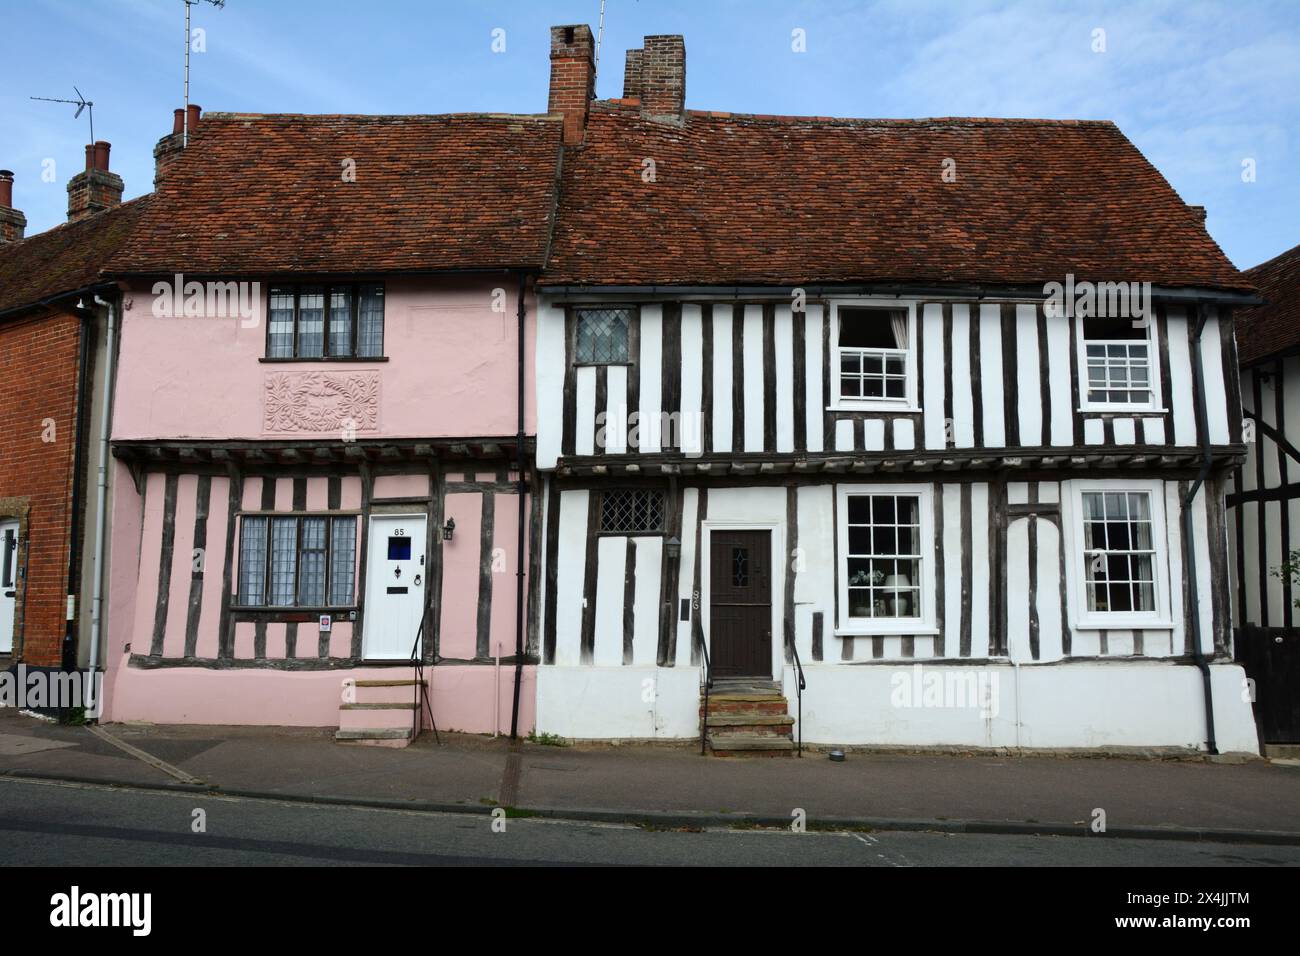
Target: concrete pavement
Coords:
[(1253, 802)]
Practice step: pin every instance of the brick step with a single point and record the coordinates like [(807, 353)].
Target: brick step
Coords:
[(362, 716), (375, 736), (750, 745), (386, 691), (771, 705), (758, 725)]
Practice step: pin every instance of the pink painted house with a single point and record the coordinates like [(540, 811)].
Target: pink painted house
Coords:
[(323, 433)]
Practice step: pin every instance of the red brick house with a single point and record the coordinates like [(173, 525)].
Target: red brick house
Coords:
[(54, 306)]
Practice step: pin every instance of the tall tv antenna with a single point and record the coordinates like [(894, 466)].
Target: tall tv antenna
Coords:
[(81, 103), (600, 32), (185, 129)]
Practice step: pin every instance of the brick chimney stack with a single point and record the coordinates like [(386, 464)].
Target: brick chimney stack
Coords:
[(12, 222), (663, 77), (95, 189), (171, 146), (573, 78), (632, 75)]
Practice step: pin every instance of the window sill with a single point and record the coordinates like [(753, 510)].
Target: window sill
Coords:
[(308, 612), (1123, 623), (921, 629), (1121, 409), (602, 364), (899, 408), (334, 360)]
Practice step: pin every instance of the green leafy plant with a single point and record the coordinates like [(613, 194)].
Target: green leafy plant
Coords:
[(547, 740)]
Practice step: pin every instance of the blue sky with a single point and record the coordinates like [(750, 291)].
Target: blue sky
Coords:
[(1199, 87)]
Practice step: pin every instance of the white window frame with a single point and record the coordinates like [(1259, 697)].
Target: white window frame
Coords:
[(920, 624), (910, 401), (1075, 562), (1153, 371)]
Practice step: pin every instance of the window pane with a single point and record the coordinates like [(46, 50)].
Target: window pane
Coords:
[(252, 561), (311, 569), (311, 322), (280, 341), (341, 321), (370, 322), (632, 510), (883, 567), (284, 560), (343, 557), (602, 335)]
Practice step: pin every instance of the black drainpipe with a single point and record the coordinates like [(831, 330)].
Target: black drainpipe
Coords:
[(1189, 548), (69, 649), (520, 463)]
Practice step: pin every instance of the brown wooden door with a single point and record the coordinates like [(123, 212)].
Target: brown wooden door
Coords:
[(740, 603)]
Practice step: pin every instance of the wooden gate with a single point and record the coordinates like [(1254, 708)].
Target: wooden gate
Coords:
[(1271, 657)]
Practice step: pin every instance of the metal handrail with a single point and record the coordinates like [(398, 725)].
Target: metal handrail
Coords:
[(707, 675), (421, 694), (800, 686)]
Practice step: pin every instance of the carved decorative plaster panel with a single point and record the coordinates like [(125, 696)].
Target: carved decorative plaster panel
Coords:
[(319, 402)]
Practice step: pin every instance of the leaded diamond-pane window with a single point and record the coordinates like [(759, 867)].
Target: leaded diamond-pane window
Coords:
[(632, 511), (602, 336)]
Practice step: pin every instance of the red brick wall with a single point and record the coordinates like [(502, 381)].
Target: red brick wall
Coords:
[(38, 381)]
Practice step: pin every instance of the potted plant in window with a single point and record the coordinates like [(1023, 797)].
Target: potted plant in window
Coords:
[(860, 601)]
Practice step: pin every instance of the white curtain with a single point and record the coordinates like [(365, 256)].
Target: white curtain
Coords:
[(899, 321)]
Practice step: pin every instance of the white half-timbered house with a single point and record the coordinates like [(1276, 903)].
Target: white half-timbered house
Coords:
[(833, 428), (1264, 500)]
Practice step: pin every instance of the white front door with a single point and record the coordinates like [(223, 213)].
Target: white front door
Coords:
[(395, 578), (8, 582)]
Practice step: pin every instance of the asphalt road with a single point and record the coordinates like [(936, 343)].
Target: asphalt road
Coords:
[(45, 824)]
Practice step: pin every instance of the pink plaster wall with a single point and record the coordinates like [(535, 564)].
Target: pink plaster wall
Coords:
[(400, 486), (501, 639), (464, 697), (451, 368), (458, 630), (124, 555)]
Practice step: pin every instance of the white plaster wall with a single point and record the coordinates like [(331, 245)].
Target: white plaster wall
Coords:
[(619, 703), (1087, 706)]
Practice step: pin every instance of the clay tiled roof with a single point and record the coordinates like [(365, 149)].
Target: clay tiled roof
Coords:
[(1274, 328), (788, 200), (257, 194), (67, 258)]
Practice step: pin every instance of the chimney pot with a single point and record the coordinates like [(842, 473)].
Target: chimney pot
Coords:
[(95, 189), (178, 121), (195, 113), (12, 222)]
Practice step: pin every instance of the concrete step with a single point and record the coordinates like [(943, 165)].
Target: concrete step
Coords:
[(361, 716), (750, 745), (1282, 751), (375, 736), (385, 691)]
